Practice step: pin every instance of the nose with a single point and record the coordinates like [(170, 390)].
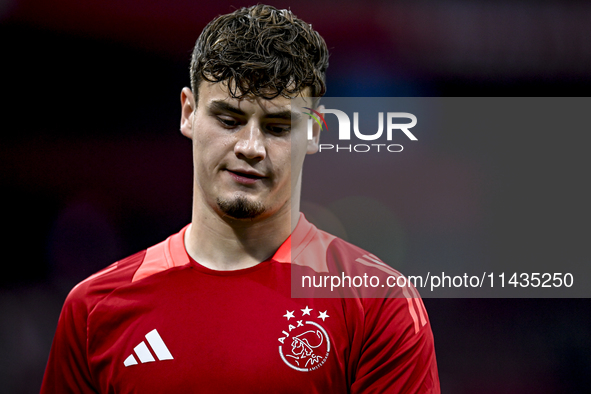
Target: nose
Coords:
[(250, 144)]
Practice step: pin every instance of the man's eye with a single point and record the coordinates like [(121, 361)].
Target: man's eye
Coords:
[(279, 129), (227, 122)]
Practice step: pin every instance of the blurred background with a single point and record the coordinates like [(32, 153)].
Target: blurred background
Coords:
[(93, 167)]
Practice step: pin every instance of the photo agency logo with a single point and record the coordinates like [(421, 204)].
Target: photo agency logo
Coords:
[(362, 140)]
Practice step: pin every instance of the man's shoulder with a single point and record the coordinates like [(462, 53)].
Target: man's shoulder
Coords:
[(155, 259), (325, 252), (94, 288), (327, 266)]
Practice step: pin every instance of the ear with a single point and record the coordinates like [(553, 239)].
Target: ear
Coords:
[(315, 141), (187, 112)]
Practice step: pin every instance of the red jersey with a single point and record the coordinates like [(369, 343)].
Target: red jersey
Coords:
[(159, 322)]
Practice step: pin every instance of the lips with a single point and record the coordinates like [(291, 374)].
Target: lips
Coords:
[(245, 176), (248, 174)]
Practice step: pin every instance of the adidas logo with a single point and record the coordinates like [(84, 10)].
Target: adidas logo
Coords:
[(143, 351)]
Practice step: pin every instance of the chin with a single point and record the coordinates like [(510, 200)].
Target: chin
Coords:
[(240, 207)]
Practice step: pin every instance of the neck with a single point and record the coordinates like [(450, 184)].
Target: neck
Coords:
[(226, 244)]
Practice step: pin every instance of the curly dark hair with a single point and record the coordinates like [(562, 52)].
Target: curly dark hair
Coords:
[(260, 51)]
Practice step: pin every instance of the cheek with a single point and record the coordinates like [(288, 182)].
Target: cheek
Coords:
[(283, 159), (202, 136), (209, 147)]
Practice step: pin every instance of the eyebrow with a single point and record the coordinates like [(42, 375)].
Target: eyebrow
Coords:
[(220, 105)]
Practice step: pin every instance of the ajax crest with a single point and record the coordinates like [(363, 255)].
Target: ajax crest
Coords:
[(305, 344)]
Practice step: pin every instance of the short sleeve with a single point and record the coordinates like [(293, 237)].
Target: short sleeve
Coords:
[(398, 354), (67, 368)]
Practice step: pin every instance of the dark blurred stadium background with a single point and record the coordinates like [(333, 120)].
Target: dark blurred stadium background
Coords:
[(93, 167)]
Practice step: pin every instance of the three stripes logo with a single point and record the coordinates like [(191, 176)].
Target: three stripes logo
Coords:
[(142, 351)]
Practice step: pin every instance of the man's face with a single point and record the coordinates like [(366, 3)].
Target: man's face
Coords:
[(247, 153)]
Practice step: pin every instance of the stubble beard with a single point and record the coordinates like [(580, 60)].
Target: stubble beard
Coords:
[(240, 207)]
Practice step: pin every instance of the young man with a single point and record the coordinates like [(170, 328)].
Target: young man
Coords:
[(209, 310)]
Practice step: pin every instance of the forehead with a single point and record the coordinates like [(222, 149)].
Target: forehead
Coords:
[(215, 92)]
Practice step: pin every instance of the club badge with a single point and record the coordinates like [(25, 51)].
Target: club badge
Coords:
[(305, 344)]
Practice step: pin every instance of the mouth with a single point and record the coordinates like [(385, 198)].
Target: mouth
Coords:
[(245, 176)]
